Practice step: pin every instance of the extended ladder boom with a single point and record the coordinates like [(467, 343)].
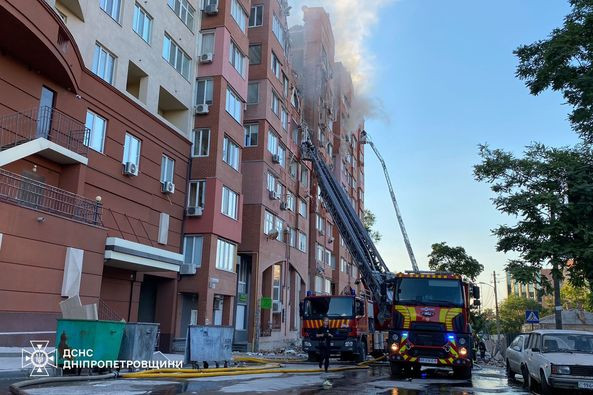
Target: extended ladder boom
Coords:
[(374, 273), (400, 220)]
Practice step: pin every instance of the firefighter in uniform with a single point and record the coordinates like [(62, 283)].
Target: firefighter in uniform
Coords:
[(324, 334)]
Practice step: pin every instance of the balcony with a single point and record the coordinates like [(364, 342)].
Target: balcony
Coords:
[(26, 192), (45, 131)]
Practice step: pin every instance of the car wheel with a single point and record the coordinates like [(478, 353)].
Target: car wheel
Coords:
[(546, 389), (510, 373), (525, 374), (397, 369), (462, 372)]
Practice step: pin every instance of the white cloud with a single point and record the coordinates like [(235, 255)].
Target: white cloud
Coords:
[(352, 22)]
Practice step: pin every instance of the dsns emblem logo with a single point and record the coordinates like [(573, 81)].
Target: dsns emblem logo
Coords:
[(427, 312)]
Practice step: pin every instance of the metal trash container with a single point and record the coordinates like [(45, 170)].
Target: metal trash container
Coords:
[(102, 338), (138, 341), (208, 343)]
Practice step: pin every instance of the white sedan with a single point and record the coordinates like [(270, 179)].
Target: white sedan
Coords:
[(515, 356), (559, 359)]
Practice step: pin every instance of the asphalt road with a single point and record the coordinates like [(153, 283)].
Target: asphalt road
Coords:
[(372, 381)]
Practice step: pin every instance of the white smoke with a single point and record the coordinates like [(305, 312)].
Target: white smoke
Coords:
[(352, 22)]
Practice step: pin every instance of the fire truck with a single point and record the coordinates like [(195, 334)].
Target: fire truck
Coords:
[(430, 323), (351, 321), (400, 317)]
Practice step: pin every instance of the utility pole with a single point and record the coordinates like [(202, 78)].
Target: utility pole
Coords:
[(497, 316)]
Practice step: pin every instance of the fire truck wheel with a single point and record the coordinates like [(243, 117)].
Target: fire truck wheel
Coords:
[(462, 373), (313, 357), (397, 370)]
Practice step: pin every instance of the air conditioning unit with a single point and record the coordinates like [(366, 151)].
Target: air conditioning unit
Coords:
[(196, 211), (168, 187), (212, 8), (330, 240), (202, 109), (274, 195), (276, 306), (130, 169), (206, 57), (283, 206), (276, 158)]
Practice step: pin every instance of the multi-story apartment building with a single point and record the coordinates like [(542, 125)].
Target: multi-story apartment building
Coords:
[(273, 252), (348, 165), (92, 183), (327, 92), (214, 208), (129, 43)]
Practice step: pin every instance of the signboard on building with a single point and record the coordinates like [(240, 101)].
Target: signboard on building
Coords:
[(266, 303)]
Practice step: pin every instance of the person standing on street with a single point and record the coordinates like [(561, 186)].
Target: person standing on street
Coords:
[(324, 335)]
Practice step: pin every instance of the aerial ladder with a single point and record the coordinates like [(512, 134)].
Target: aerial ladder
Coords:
[(373, 271), (366, 140)]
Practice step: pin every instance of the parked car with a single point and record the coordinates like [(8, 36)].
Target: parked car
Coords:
[(559, 359), (515, 356)]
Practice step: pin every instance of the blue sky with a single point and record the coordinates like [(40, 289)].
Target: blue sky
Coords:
[(445, 77)]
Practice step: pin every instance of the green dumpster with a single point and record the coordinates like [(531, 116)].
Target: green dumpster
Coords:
[(101, 338)]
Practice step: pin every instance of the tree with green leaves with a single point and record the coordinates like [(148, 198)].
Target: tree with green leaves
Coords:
[(444, 258), (564, 62), (512, 312), (574, 297), (368, 221), (548, 192), (484, 321)]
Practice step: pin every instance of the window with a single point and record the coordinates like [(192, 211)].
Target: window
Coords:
[(201, 142), (272, 143), (197, 194), (319, 252), (192, 250), (184, 11), (271, 182), (302, 242), (142, 23), (111, 7), (251, 135), (275, 104), (257, 15), (285, 85), (278, 30), (237, 59), (343, 265), (230, 153), (103, 63), (205, 91), (176, 57), (132, 151), (253, 93), (255, 54), (330, 150), (292, 237), (234, 105), (276, 66), (230, 199), (302, 208), (167, 169), (293, 169), (225, 255), (304, 176), (239, 15), (329, 228), (291, 201), (319, 223), (277, 275), (284, 118), (207, 43), (268, 222), (319, 284), (279, 228), (282, 155), (95, 137)]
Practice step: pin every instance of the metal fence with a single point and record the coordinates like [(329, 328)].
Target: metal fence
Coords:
[(43, 122), (30, 193)]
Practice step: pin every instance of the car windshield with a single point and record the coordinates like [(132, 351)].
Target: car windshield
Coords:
[(568, 342), (318, 308), (429, 291)]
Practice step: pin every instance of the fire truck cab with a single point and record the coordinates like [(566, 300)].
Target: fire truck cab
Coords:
[(430, 324), (350, 321)]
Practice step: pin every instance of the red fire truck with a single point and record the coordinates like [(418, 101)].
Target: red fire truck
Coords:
[(430, 323), (350, 320)]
